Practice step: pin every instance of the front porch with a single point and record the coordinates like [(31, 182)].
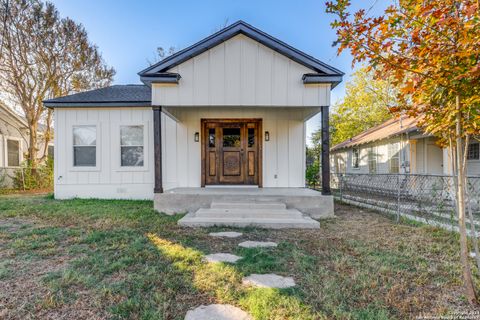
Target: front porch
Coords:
[(307, 201)]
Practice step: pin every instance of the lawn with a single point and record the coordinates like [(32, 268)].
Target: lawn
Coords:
[(95, 259)]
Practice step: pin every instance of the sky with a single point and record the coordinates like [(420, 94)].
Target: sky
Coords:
[(128, 32)]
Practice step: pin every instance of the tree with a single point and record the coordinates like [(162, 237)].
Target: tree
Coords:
[(42, 56), (365, 105), (430, 50), (161, 54)]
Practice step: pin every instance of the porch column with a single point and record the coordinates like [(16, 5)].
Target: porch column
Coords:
[(325, 152), (157, 141)]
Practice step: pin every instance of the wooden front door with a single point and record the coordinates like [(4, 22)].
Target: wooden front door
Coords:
[(231, 152)]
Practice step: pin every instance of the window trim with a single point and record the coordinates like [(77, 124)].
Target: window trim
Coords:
[(120, 141), (390, 157), (117, 152), (474, 160), (358, 158), (5, 151), (71, 146), (372, 150)]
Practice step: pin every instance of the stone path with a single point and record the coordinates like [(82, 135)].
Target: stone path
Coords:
[(226, 234), (217, 312), (222, 257), (257, 244), (229, 312), (268, 281)]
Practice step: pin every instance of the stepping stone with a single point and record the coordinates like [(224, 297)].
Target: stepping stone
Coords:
[(217, 312), (472, 254), (222, 257), (268, 281), (226, 234), (257, 244)]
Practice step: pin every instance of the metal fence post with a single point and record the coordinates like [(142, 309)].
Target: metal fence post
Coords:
[(398, 197), (340, 182)]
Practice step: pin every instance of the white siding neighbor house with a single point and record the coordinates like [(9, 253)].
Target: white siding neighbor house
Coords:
[(14, 144), (224, 117), (398, 146)]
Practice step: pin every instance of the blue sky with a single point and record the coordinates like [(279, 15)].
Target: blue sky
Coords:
[(128, 32)]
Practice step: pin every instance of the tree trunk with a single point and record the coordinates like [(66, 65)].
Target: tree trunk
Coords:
[(32, 147), (460, 176)]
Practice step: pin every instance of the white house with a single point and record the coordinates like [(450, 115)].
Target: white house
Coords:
[(14, 144), (221, 119), (398, 146)]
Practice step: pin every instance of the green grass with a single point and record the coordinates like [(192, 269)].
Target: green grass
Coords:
[(122, 260)]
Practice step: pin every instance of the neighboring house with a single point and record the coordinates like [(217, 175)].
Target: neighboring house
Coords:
[(13, 144), (229, 110), (397, 146)]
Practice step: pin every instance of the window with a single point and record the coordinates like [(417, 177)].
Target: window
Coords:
[(85, 146), (372, 160), (394, 157), (473, 151), (355, 158), (231, 137), (13, 153), (211, 138), (131, 146)]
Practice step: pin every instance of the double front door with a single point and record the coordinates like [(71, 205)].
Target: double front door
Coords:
[(231, 151)]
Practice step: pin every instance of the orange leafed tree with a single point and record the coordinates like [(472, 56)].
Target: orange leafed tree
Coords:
[(431, 50)]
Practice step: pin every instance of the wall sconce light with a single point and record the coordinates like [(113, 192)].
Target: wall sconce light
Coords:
[(267, 136), (196, 137)]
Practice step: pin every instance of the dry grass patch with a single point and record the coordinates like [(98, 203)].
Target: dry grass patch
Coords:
[(92, 259)]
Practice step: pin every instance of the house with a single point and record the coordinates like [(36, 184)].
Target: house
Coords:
[(398, 146), (222, 120), (14, 144)]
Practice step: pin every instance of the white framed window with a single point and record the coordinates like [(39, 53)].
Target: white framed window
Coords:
[(132, 151), (85, 146), (394, 157), (13, 152), (372, 160), (473, 152), (355, 158)]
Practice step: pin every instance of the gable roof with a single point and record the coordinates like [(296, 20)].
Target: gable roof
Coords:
[(21, 121), (131, 95), (240, 27), (389, 128)]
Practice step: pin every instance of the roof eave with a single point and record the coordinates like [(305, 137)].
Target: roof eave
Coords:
[(169, 78), (310, 78), (98, 104)]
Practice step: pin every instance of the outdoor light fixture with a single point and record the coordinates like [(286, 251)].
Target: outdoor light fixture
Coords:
[(267, 136), (196, 137)]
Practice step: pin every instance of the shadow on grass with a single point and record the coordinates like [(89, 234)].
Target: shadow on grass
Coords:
[(224, 283)]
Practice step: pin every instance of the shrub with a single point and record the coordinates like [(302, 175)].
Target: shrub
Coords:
[(27, 178)]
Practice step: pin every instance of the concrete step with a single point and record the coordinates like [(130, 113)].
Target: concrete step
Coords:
[(245, 213), (190, 220), (248, 205)]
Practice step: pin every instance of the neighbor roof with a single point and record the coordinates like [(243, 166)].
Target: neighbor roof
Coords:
[(390, 128), (241, 27), (131, 95)]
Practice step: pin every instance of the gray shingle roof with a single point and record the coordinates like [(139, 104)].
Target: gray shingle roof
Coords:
[(117, 95)]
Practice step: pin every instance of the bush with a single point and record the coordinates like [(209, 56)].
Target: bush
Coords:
[(27, 178), (312, 175)]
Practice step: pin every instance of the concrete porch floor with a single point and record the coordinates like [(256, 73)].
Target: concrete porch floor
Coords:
[(182, 200)]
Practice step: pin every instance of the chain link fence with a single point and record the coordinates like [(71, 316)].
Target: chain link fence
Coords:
[(424, 198)]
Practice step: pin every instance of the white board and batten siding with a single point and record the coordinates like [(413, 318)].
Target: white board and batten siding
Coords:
[(283, 155), (108, 179), (241, 72)]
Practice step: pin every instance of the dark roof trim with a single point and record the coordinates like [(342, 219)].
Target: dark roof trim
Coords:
[(311, 78), (164, 77), (92, 104), (241, 27)]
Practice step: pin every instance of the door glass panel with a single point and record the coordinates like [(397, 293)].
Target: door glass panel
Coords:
[(251, 137), (211, 137), (231, 137)]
